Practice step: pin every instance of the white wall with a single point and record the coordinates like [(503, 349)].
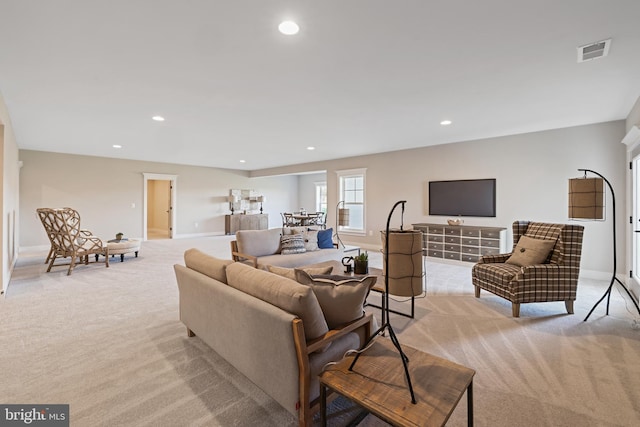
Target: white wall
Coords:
[(532, 172), (103, 191), (10, 232), (307, 190)]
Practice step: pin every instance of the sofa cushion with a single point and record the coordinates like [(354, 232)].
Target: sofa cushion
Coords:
[(301, 260), (207, 264), (530, 251), (284, 293), (259, 242), (292, 244), (341, 297), (290, 273), (325, 238)]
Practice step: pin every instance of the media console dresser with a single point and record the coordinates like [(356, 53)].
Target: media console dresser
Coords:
[(461, 242)]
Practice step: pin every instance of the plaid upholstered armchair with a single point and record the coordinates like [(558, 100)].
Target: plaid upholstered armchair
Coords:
[(553, 279)]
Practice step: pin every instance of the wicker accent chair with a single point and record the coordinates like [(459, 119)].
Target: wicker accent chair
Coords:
[(554, 280), (68, 240)]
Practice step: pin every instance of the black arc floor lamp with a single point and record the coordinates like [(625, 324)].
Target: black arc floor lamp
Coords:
[(386, 325), (586, 201)]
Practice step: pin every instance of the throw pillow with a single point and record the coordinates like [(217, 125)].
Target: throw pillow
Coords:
[(325, 239), (292, 244), (530, 251), (311, 240), (290, 273), (341, 297)]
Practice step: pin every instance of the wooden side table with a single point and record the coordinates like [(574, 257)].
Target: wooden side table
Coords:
[(378, 384)]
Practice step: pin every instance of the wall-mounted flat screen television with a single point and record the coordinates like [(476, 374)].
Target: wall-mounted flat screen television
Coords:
[(467, 197)]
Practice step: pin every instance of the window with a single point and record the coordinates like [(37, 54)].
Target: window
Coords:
[(321, 197), (351, 188)]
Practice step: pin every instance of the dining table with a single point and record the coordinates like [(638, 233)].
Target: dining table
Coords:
[(305, 219)]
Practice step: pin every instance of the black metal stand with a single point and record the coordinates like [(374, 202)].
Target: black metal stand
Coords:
[(613, 276), (386, 324)]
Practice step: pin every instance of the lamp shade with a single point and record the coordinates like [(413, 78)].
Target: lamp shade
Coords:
[(262, 199), (405, 262), (586, 198), (343, 217)]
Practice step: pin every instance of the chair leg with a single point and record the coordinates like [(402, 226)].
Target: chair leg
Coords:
[(49, 255), (53, 258), (72, 264), (569, 305), (515, 309), (477, 291)]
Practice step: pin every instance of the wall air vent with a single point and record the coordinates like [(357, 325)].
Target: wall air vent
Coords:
[(593, 50)]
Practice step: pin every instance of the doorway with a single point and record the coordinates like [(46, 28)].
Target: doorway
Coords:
[(159, 206), (634, 278)]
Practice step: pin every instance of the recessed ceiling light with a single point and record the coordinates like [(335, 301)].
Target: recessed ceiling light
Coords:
[(117, 146), (446, 122), (158, 118), (289, 28), (311, 148), (243, 161)]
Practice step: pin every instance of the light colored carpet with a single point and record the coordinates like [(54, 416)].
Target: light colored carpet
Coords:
[(109, 343)]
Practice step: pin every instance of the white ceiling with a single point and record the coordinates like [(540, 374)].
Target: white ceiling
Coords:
[(362, 76)]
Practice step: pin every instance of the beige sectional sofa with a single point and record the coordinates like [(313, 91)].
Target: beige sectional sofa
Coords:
[(262, 247), (269, 327)]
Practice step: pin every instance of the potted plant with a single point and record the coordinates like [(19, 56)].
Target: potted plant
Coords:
[(119, 236), (361, 263)]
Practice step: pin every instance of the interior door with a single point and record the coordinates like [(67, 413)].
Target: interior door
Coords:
[(159, 209), (634, 280)]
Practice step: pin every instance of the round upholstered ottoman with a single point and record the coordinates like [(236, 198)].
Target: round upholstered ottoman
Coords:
[(121, 247)]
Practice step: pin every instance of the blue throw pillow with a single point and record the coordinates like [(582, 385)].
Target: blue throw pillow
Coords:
[(325, 239)]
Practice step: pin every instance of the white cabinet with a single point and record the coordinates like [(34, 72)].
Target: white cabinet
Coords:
[(461, 242)]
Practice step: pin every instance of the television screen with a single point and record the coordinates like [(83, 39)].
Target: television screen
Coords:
[(468, 197)]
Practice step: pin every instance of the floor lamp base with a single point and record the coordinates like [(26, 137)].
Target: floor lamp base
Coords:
[(396, 343), (608, 295)]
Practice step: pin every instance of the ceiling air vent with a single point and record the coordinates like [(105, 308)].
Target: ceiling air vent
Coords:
[(593, 50)]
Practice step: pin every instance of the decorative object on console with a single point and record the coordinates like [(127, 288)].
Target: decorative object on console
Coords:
[(233, 199), (119, 236), (386, 324), (457, 221), (261, 199), (342, 219), (586, 201)]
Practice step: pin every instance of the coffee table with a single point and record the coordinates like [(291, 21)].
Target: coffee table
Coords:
[(378, 384)]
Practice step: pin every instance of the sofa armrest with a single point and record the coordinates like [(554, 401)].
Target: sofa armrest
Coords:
[(547, 274), (545, 282), (492, 259), (240, 257), (303, 349), (318, 343)]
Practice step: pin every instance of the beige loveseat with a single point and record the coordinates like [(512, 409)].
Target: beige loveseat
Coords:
[(269, 327), (262, 247)]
